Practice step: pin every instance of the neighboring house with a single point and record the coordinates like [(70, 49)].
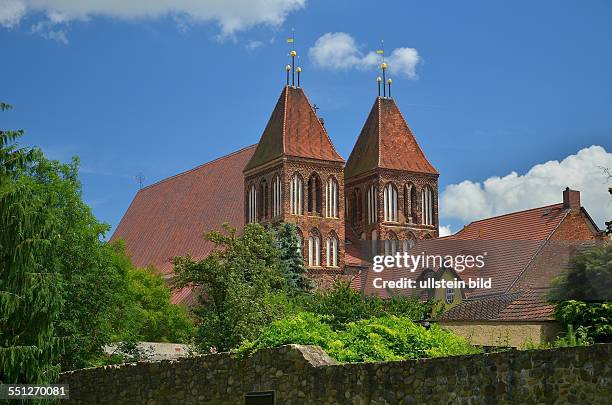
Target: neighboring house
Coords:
[(525, 251)]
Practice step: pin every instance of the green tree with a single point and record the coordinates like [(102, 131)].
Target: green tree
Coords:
[(581, 295), (236, 284), (287, 243), (151, 316), (53, 251), (341, 305), (30, 294)]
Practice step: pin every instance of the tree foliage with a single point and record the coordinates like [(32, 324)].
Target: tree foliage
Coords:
[(341, 305), (30, 298), (588, 278), (236, 283), (287, 243), (60, 282), (582, 295)]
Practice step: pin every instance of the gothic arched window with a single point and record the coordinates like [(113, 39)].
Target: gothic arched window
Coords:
[(331, 252), (357, 206), (390, 203), (252, 205), (314, 194), (391, 244), (427, 204), (314, 249), (372, 204), (331, 198), (296, 203), (410, 201), (277, 201), (263, 200)]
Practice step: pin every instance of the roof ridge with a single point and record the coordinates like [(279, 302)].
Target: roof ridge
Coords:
[(286, 90), (319, 122), (379, 125), (197, 167), (512, 213)]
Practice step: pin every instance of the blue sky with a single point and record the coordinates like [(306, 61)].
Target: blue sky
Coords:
[(498, 87)]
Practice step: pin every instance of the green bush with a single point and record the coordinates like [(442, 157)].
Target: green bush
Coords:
[(341, 305), (376, 339), (591, 321)]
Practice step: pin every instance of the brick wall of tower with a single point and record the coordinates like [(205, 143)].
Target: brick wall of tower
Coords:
[(403, 228), (307, 222), (286, 168)]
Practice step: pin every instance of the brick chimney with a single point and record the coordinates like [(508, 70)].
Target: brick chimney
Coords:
[(571, 199)]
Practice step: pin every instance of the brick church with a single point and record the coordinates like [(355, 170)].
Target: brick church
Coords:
[(386, 190)]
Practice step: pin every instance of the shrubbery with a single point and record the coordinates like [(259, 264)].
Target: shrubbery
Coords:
[(375, 339), (582, 296), (341, 305)]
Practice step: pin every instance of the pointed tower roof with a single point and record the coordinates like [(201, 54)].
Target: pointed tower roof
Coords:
[(293, 130), (386, 141)]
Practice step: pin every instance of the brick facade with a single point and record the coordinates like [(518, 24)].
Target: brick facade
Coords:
[(408, 227), (309, 223)]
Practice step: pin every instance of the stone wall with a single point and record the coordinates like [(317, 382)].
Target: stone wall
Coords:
[(306, 375)]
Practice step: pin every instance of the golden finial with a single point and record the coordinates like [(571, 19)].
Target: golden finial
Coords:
[(288, 68), (379, 79), (389, 83), (293, 53), (298, 70), (383, 65)]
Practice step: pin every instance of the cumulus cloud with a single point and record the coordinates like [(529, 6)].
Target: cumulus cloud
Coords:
[(339, 50), (230, 15), (445, 230), (541, 185)]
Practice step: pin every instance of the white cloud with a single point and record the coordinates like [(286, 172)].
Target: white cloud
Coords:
[(253, 44), (45, 29), (11, 12), (445, 230), (230, 15), (542, 185), (339, 50)]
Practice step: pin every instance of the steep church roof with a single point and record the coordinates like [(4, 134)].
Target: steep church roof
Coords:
[(293, 130), (386, 141), (168, 218)]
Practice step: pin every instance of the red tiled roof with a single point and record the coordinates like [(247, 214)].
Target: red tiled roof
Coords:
[(293, 130), (528, 305), (521, 260), (168, 218), (513, 242), (386, 141), (531, 224)]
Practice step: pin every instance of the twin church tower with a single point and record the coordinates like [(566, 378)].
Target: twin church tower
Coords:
[(387, 190)]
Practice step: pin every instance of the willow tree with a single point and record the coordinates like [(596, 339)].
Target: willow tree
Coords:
[(30, 297)]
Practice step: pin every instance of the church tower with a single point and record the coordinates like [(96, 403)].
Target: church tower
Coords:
[(391, 189), (296, 175)]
